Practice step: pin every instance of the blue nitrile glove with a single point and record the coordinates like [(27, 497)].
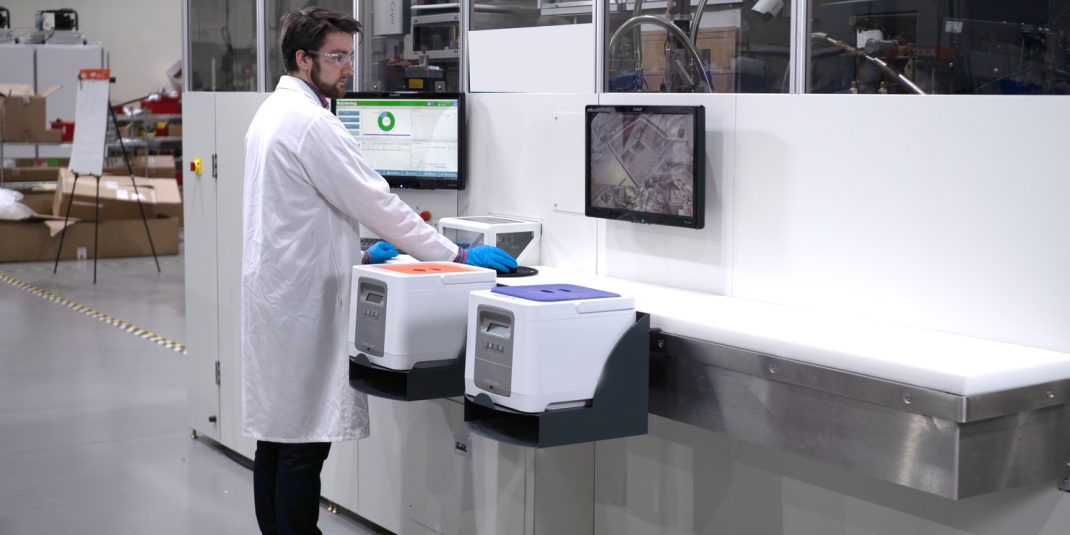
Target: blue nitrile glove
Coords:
[(380, 252), (489, 256)]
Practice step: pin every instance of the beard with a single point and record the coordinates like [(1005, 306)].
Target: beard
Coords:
[(328, 90)]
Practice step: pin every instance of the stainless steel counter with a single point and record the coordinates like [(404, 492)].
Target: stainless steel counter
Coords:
[(949, 445)]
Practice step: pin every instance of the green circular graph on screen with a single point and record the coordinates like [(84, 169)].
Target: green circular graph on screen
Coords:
[(386, 121)]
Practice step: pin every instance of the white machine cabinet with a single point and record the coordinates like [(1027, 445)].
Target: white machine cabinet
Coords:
[(539, 347), (404, 314)]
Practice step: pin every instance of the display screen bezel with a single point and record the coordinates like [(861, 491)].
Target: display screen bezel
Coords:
[(697, 219), (410, 182)]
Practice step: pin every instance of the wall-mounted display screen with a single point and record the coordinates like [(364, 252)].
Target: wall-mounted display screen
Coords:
[(646, 164), (415, 140)]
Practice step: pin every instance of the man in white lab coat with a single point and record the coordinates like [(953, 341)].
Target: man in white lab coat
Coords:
[(306, 189)]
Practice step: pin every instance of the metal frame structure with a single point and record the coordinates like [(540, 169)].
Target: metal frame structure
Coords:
[(798, 54)]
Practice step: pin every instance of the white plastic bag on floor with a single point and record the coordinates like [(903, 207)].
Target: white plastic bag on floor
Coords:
[(10, 207)]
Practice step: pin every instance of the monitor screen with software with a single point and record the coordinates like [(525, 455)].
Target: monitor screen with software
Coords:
[(415, 140), (646, 164)]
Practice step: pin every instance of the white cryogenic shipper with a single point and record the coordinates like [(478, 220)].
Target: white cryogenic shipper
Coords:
[(542, 347), (402, 314)]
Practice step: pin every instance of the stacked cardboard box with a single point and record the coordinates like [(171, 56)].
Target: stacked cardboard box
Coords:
[(27, 170), (158, 166), (22, 115), (121, 230)]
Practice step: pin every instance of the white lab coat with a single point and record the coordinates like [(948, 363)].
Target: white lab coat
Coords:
[(306, 188)]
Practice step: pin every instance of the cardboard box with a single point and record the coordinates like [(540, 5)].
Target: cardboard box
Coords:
[(117, 197), (174, 129), (22, 114), (39, 202), (31, 174), (36, 241), (158, 166)]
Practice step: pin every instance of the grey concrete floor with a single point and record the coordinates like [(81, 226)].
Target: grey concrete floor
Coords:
[(93, 423)]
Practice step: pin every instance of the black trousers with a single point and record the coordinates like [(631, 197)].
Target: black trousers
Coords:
[(286, 486)]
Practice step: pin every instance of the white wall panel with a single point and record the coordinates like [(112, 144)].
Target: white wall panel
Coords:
[(526, 159), (18, 63), (546, 59), (679, 257), (944, 213)]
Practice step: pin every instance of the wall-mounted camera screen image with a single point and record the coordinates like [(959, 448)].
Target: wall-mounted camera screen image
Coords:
[(645, 164)]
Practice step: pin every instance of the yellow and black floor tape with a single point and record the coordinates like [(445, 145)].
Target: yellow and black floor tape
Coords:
[(99, 316)]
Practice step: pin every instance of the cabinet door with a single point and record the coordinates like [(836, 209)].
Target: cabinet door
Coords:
[(234, 112), (380, 461), (458, 483), (202, 330)]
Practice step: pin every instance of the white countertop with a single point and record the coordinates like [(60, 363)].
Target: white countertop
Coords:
[(946, 362)]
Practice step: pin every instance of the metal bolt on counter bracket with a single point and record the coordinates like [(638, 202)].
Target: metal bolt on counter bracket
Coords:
[(661, 343), (772, 369), (1051, 394), (907, 398)]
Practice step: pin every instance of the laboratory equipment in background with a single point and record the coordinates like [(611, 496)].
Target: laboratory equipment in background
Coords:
[(940, 47), (412, 45), (646, 164), (56, 27), (414, 140), (6, 35), (542, 347), (521, 239), (424, 76), (405, 314), (685, 46)]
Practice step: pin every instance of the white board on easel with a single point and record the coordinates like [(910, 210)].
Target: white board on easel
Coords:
[(90, 122)]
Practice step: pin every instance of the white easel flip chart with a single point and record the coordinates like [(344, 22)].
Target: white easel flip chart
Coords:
[(90, 122)]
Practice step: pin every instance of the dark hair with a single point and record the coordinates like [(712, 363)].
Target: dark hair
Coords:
[(306, 29)]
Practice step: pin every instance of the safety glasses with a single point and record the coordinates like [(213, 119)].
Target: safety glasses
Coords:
[(337, 59)]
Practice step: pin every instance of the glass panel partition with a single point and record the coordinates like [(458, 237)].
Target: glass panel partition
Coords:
[(222, 45), (940, 47), (273, 12), (412, 45), (698, 46)]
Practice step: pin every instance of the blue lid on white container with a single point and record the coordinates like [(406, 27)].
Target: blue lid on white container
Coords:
[(553, 292)]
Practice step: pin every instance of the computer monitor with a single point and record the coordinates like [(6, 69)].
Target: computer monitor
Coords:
[(415, 140), (646, 164)]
